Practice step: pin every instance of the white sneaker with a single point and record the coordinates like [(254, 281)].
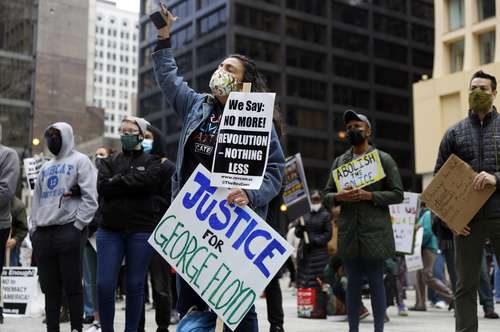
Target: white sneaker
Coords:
[(441, 305), (94, 328)]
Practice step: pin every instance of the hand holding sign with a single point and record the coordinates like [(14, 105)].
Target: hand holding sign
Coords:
[(484, 179), (238, 196), (354, 195)]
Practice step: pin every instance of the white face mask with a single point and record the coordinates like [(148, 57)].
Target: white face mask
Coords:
[(315, 207)]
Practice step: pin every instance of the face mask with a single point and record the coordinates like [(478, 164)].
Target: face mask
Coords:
[(54, 143), (480, 101), (315, 207), (147, 145), (222, 83), (129, 142), (355, 137)]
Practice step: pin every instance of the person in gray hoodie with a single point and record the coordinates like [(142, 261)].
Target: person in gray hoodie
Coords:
[(64, 203), (9, 175)]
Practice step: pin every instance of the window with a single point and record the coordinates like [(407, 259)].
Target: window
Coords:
[(258, 49), (306, 88), (485, 9), (456, 56), (391, 103), (304, 59), (456, 14), (308, 147), (422, 34), (314, 7), (273, 81), (391, 77), (423, 59), (487, 47), (212, 21), (182, 37), (349, 41), (352, 15), (350, 96), (351, 69), (183, 8), (257, 19), (423, 10), (396, 5), (402, 157), (206, 3), (306, 118), (305, 31), (393, 130), (212, 51), (390, 51), (390, 25)]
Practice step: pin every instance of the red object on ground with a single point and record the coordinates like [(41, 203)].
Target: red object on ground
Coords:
[(311, 303)]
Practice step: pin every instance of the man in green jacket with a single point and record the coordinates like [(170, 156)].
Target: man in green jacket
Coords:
[(365, 237)]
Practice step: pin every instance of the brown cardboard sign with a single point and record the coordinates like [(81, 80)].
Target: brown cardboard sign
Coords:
[(451, 195)]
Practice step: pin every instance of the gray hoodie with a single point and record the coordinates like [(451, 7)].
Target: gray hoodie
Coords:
[(9, 176), (56, 177)]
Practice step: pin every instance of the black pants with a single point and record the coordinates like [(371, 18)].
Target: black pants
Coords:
[(4, 236), (162, 297), (274, 301), (291, 267), (58, 250)]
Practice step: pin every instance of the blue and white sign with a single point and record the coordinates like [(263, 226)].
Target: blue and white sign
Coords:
[(228, 254)]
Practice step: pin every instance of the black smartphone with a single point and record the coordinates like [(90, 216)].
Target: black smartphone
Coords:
[(158, 20)]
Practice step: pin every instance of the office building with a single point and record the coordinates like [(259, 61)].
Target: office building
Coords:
[(465, 39), (320, 57)]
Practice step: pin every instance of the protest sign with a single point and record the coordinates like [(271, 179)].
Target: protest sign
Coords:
[(19, 287), (414, 262), (226, 253), (451, 195), (32, 168), (296, 193), (404, 218), (242, 147), (360, 172)]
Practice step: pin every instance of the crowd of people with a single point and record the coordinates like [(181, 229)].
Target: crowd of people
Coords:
[(90, 220)]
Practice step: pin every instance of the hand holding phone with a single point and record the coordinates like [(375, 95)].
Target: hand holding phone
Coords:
[(163, 20)]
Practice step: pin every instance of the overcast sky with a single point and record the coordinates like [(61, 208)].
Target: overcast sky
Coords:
[(130, 5)]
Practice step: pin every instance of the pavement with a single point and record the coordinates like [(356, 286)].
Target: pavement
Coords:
[(434, 320)]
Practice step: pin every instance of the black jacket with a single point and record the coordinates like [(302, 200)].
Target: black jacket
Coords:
[(478, 144), (313, 258), (128, 186)]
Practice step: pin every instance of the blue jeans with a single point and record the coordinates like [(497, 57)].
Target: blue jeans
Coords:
[(496, 280), (112, 247), (89, 279), (356, 269), (187, 298)]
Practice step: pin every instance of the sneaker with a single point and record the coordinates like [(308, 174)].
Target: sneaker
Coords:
[(174, 317), (402, 311), (440, 305), (96, 327), (363, 313), (88, 320), (491, 314)]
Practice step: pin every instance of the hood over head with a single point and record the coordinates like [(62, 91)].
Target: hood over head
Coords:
[(67, 138), (159, 142)]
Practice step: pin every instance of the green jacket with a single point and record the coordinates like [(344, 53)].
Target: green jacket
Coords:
[(365, 228)]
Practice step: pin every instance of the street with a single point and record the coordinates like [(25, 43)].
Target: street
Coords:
[(434, 320)]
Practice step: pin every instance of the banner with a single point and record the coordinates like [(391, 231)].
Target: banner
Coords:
[(226, 253), (296, 193), (242, 147), (414, 262), (19, 287), (404, 218), (360, 172), (32, 168)]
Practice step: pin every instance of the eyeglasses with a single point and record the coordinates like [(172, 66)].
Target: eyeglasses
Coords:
[(128, 132)]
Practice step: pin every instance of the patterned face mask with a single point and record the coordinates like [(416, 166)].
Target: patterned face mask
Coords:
[(222, 83)]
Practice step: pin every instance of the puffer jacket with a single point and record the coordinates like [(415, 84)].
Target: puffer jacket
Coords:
[(312, 258), (478, 144), (365, 229)]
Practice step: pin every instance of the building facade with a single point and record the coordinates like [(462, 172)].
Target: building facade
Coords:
[(320, 57), (115, 63), (465, 39)]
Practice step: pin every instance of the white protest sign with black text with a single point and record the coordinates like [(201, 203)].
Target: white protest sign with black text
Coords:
[(359, 172), (296, 193), (404, 218), (243, 140), (414, 262), (19, 287), (32, 168), (226, 253)]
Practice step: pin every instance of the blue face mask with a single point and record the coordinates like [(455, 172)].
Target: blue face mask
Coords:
[(147, 145)]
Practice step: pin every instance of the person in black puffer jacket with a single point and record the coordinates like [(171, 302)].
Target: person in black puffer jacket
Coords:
[(128, 184), (313, 257)]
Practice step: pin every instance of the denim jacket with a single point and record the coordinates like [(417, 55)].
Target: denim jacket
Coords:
[(193, 108)]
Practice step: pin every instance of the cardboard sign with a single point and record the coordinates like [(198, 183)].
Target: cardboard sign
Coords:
[(360, 172), (226, 253), (296, 193), (19, 287), (414, 262), (404, 217), (243, 141), (451, 195), (32, 168)]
